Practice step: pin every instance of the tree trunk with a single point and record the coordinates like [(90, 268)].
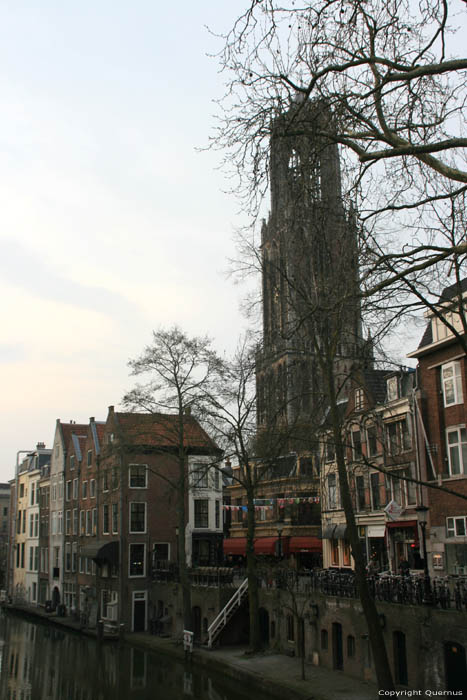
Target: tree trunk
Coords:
[(253, 597), (375, 633)]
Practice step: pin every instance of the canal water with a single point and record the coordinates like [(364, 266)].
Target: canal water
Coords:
[(42, 662)]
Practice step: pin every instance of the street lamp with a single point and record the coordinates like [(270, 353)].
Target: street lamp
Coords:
[(422, 515), (280, 527)]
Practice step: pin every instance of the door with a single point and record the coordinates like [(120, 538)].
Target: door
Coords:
[(139, 611), (337, 651), (455, 667), (400, 659), (264, 626)]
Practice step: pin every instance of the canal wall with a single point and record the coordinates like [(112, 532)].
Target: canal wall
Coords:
[(424, 643)]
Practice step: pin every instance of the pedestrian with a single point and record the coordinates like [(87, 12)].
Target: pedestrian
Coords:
[(404, 566)]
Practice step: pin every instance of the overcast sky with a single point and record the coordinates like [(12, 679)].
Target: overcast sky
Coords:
[(111, 223)]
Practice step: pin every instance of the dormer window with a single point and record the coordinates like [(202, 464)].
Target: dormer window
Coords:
[(359, 398), (392, 388)]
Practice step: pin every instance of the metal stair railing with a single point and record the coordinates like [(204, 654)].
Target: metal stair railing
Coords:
[(225, 614)]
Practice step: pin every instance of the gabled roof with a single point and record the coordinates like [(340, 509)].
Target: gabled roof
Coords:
[(374, 381), (67, 430), (97, 432), (161, 430), (447, 294)]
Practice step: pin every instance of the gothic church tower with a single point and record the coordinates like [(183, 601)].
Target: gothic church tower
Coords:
[(309, 271)]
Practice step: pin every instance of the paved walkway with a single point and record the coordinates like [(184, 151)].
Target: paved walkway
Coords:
[(276, 675)]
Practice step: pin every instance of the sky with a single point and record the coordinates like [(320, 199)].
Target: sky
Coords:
[(113, 223)]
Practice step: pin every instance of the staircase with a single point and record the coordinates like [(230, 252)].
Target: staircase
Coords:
[(218, 624)]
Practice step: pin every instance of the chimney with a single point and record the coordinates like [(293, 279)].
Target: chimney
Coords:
[(40, 446), (92, 419)]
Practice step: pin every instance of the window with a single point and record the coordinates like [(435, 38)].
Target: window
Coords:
[(456, 527), (457, 450), (372, 441), (31, 525), (88, 522), (105, 481), (137, 517), (451, 380), (138, 476), (84, 489), (216, 479), (89, 458), (332, 492), (356, 444), (398, 436), (67, 522), (360, 492), (92, 488), (72, 461), (68, 490), (114, 518), (114, 478), (201, 512), (330, 452), (105, 519), (375, 493), (36, 525), (67, 556), (392, 388), (346, 553), (74, 557), (75, 489), (60, 522), (137, 560), (82, 515), (75, 521), (217, 514), (200, 476), (160, 552), (334, 553), (359, 399), (94, 521)]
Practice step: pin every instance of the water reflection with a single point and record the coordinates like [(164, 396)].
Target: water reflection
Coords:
[(38, 662)]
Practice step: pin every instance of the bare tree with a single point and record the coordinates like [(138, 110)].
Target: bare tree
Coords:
[(255, 453), (179, 372), (388, 73)]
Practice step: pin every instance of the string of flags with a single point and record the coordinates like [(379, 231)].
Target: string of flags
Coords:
[(268, 503)]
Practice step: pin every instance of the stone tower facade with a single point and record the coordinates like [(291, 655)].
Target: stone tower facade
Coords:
[(309, 272)]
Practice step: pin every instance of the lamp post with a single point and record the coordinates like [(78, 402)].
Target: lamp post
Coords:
[(280, 527), (422, 512)]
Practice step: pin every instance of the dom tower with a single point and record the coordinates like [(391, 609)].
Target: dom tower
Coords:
[(309, 272)]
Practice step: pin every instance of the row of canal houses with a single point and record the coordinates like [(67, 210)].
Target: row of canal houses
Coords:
[(93, 515)]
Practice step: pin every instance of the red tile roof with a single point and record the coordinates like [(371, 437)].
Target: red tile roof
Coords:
[(161, 430)]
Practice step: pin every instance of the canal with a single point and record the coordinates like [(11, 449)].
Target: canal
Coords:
[(43, 662)]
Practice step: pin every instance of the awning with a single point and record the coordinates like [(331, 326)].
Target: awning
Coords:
[(305, 544), (376, 530), (263, 545), (267, 545), (108, 553), (328, 532), (101, 551), (235, 545), (340, 532)]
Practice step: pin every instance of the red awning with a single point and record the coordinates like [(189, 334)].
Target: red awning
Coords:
[(267, 545), (305, 544), (235, 545), (263, 545)]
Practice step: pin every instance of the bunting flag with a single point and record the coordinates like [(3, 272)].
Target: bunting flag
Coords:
[(268, 503)]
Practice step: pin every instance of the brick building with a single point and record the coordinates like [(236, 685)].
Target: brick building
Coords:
[(442, 419)]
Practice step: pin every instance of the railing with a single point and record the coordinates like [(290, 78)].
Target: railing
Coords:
[(444, 593), (221, 620)]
